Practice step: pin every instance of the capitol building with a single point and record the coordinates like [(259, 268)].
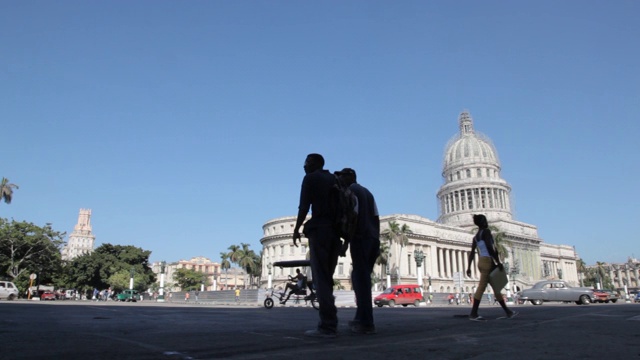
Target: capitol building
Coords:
[(472, 184)]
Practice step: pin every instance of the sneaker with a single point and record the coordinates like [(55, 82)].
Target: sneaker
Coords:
[(318, 333), (513, 314), (477, 318), (363, 329)]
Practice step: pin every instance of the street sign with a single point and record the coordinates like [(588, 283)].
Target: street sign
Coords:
[(458, 280), (33, 276)]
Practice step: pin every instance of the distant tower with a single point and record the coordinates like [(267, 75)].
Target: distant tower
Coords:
[(472, 181), (81, 239)]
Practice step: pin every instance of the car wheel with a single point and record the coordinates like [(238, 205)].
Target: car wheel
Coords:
[(379, 305), (614, 301), (606, 301), (392, 303), (585, 300), (416, 303), (536, 302), (268, 303), (11, 297)]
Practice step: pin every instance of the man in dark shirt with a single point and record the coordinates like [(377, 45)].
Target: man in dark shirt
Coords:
[(324, 242), (365, 248)]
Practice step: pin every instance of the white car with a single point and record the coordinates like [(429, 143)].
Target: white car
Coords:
[(8, 290)]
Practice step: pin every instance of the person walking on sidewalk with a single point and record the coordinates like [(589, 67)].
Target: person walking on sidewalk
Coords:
[(483, 242), (365, 249)]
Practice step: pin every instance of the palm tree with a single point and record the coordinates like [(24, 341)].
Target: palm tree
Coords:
[(383, 258), (225, 265), (6, 190), (582, 269), (247, 260), (399, 235), (235, 254)]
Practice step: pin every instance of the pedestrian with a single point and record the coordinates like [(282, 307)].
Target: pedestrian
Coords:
[(483, 242), (186, 296), (324, 242), (196, 294), (365, 249), (237, 295)]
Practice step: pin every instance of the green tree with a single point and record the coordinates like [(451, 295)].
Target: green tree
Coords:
[(190, 279), (110, 263), (383, 259), (248, 261), (26, 248), (399, 235), (6, 190), (235, 254), (225, 265), (582, 270)]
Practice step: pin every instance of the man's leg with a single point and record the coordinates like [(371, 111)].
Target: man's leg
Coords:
[(324, 248), (363, 256)]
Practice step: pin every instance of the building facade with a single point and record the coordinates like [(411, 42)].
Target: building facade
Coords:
[(81, 241), (217, 279), (472, 185)]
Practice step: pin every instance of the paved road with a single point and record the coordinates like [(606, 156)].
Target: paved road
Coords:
[(90, 330)]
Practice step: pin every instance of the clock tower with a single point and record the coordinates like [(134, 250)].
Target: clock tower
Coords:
[(81, 240)]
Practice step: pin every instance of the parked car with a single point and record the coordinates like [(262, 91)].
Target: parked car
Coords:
[(637, 298), (400, 295), (613, 296), (128, 295), (47, 295), (557, 290), (8, 290), (600, 296)]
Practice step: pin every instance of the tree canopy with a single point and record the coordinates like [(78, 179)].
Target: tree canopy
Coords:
[(110, 266), (26, 248)]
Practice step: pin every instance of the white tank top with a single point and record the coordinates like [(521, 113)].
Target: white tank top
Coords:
[(482, 246)]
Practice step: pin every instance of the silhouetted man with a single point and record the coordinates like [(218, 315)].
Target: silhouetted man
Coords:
[(365, 248), (324, 242)]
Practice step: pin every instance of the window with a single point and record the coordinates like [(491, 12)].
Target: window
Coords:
[(281, 249), (468, 173), (479, 172), (303, 249), (291, 250), (340, 269)]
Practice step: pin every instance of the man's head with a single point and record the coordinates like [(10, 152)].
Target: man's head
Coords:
[(347, 176), (298, 271), (313, 162)]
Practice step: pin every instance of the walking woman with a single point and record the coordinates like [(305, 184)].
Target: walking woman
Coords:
[(483, 241)]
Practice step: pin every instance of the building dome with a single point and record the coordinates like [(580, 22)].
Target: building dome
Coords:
[(472, 182), (469, 146)]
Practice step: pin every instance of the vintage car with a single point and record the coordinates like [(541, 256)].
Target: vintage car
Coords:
[(128, 295), (557, 290)]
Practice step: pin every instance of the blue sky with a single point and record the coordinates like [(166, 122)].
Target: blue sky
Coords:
[(184, 125)]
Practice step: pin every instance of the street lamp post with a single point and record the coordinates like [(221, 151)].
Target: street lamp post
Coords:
[(418, 255), (163, 264), (131, 278), (388, 277)]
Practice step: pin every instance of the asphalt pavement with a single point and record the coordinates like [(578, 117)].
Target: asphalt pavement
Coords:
[(147, 330)]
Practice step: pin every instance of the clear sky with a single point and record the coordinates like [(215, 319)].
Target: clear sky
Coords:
[(184, 125)]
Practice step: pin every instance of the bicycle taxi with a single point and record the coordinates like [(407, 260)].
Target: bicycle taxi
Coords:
[(305, 293)]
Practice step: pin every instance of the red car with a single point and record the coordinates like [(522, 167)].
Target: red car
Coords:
[(48, 295), (600, 296)]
